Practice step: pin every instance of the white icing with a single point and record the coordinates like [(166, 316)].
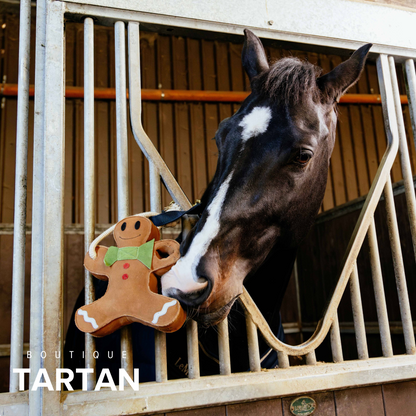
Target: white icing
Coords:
[(163, 311), (92, 321)]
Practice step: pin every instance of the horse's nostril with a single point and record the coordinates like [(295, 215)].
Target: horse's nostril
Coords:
[(192, 299)]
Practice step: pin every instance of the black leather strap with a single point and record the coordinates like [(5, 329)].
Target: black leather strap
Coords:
[(171, 216)]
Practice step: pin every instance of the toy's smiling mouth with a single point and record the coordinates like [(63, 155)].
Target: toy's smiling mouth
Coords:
[(130, 238)]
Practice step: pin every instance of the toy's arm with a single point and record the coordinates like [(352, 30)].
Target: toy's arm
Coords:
[(166, 255), (96, 266)]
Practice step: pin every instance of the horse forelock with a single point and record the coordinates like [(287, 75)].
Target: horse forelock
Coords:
[(288, 80)]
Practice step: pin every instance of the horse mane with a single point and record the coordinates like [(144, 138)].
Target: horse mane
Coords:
[(288, 80)]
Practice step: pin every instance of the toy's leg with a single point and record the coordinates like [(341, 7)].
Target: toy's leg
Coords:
[(99, 318), (165, 313)]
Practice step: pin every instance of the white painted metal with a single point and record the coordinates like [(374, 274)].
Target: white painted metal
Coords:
[(36, 318), (336, 344), (409, 68), (193, 349), (19, 236), (89, 182), (224, 347), (311, 358), (358, 315), (122, 165), (379, 294), (404, 157), (277, 20), (399, 271), (53, 224), (253, 344)]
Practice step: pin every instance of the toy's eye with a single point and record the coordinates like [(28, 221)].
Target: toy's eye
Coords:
[(137, 225), (123, 226)]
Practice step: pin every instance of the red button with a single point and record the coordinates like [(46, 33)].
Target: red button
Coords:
[(125, 276), (126, 265)]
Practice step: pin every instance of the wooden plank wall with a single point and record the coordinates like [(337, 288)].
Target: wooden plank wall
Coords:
[(182, 132), (398, 399)]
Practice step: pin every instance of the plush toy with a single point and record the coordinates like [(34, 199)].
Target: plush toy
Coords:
[(131, 269)]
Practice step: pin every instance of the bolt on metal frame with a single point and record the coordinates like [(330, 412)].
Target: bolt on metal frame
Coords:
[(47, 264)]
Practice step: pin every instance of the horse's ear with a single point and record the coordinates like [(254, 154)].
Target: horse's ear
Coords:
[(253, 56), (335, 83)]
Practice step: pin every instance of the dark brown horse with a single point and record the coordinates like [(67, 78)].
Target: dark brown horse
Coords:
[(272, 170)]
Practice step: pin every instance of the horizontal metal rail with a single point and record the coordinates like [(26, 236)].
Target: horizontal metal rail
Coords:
[(10, 90)]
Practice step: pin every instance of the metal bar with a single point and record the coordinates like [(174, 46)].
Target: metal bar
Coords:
[(224, 347), (253, 344), (157, 165), (20, 199), (10, 90), (298, 304), (193, 350), (122, 165), (409, 69), (161, 364), (283, 360), (230, 18), (311, 358), (336, 344), (379, 294), (89, 182), (36, 319), (358, 315), (404, 157), (53, 225), (358, 234), (140, 135), (396, 252), (160, 337)]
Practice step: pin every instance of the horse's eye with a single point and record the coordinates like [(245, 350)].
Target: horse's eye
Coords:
[(137, 225), (123, 226), (303, 157)]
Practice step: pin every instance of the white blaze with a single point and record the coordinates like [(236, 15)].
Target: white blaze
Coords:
[(256, 122), (183, 274)]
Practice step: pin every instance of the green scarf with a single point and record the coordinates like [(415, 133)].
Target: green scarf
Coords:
[(143, 253)]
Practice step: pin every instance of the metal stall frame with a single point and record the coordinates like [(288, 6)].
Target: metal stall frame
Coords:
[(47, 270)]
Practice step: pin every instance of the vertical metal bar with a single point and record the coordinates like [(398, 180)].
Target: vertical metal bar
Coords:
[(53, 229), (253, 344), (193, 349), (296, 275), (404, 156), (224, 347), (311, 358), (396, 251), (379, 294), (122, 165), (155, 206), (390, 120), (358, 315), (283, 359), (36, 323), (336, 345), (409, 69), (89, 181), (19, 234)]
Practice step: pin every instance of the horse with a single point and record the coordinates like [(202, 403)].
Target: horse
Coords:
[(270, 180)]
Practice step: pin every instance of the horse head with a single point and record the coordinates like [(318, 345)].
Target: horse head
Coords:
[(273, 158)]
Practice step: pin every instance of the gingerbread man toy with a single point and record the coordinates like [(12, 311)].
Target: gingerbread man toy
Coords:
[(131, 269)]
